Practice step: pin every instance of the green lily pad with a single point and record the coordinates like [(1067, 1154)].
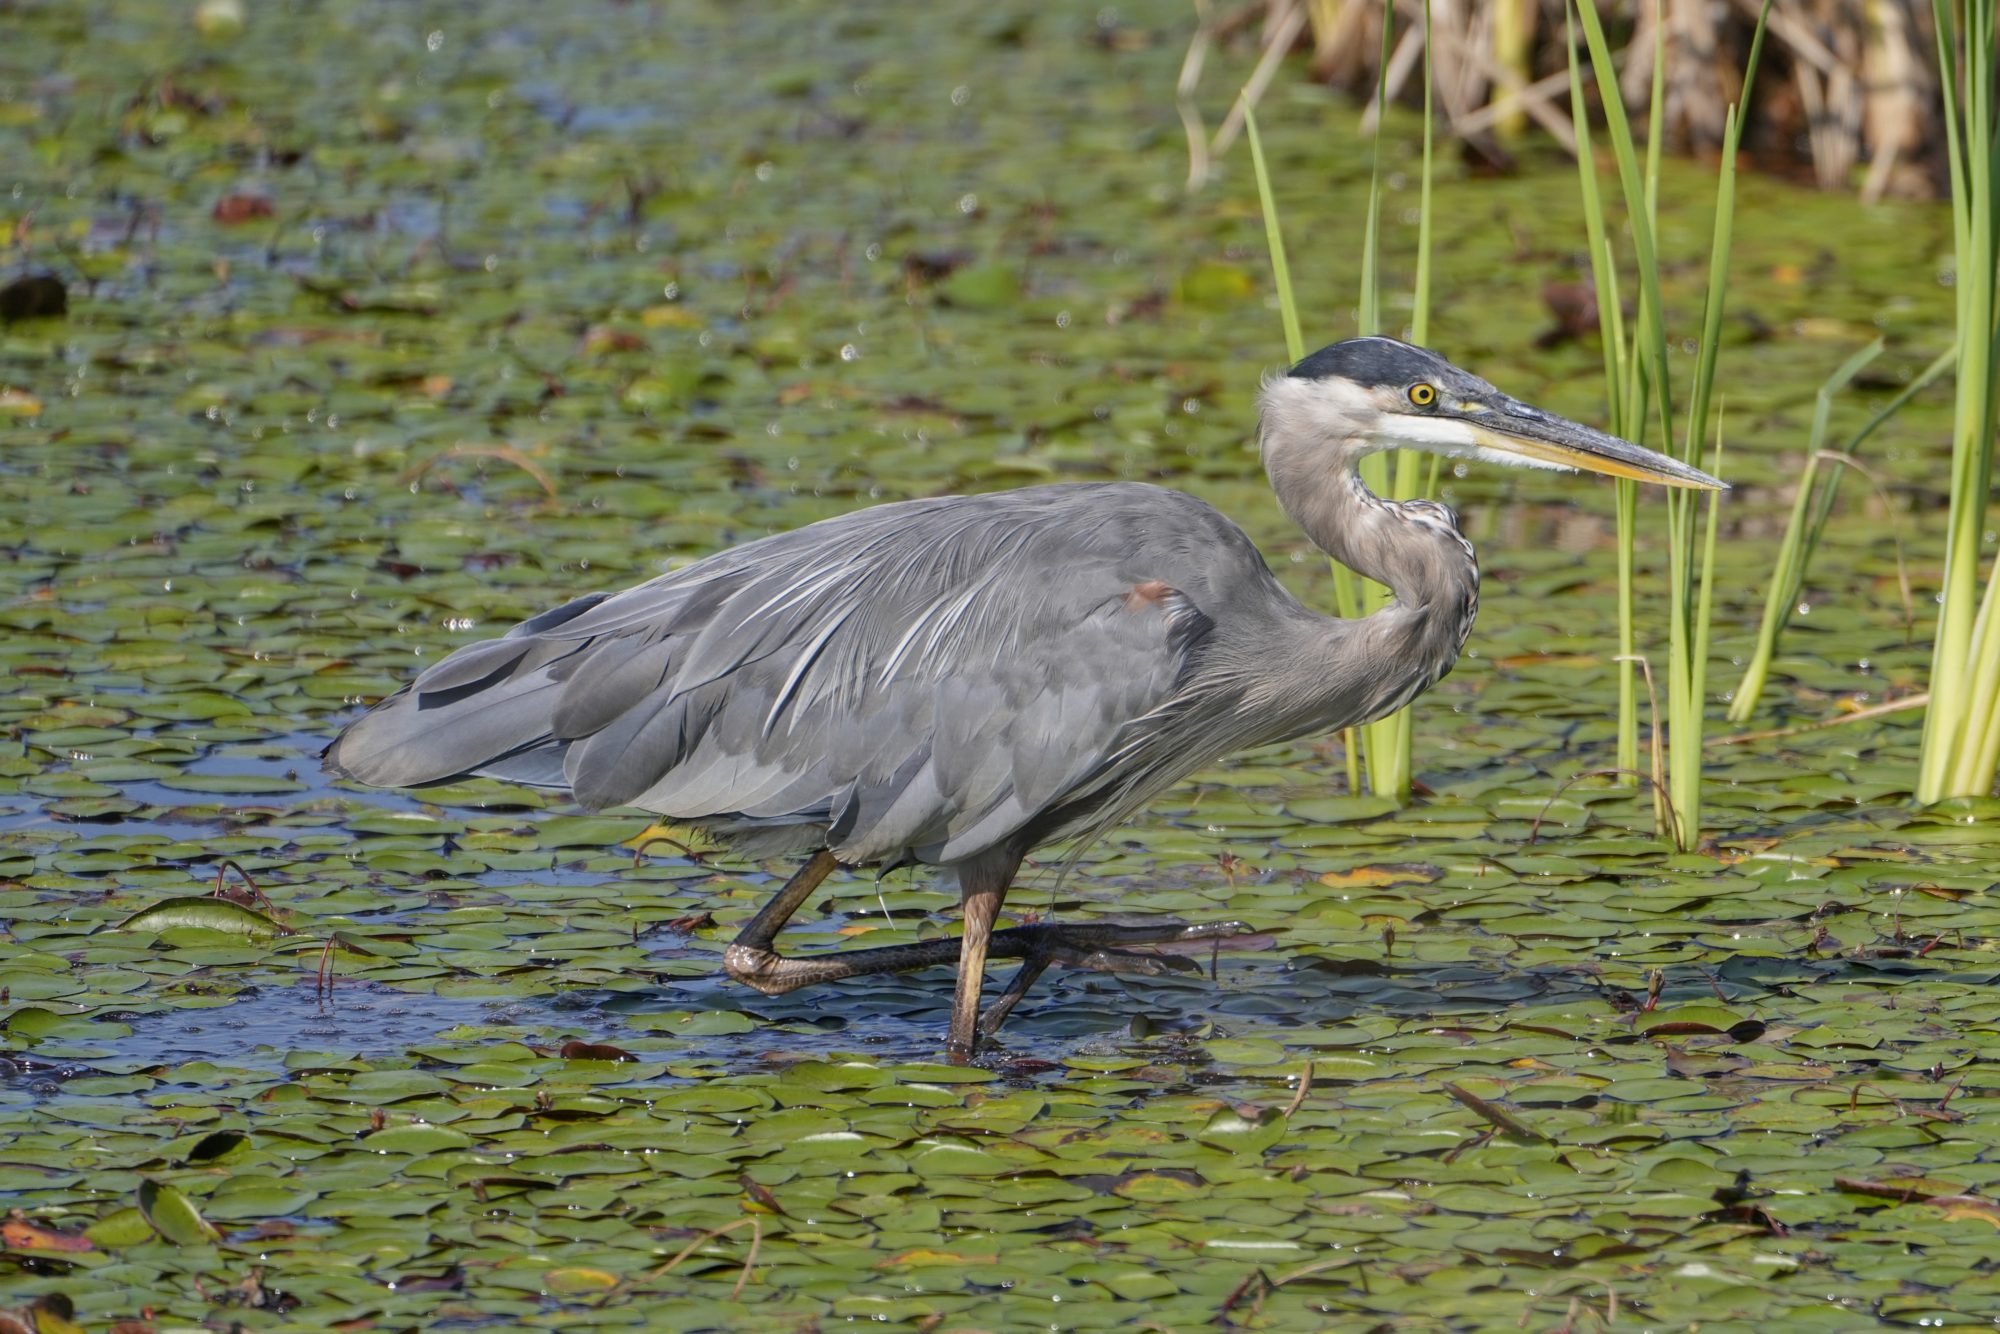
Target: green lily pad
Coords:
[(206, 913), (173, 1215)]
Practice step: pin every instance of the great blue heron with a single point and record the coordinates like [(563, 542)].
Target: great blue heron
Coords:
[(958, 680)]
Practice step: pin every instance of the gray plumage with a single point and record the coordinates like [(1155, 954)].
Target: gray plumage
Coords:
[(914, 682), (956, 681)]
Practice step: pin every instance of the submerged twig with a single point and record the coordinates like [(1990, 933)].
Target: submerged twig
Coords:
[(1305, 1087), (1504, 1120), (256, 894), (756, 1243), (1535, 829), (505, 453), (1910, 1192)]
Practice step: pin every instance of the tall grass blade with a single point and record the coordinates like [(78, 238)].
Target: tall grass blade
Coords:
[(1828, 494), (1961, 744), (1386, 744), (1647, 396), (1420, 312), (1345, 596), (1788, 571), (1420, 315), (1643, 363), (1390, 744), (1274, 238), (1611, 337), (1644, 382)]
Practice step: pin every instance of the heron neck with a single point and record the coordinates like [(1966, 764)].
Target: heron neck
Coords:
[(1426, 566)]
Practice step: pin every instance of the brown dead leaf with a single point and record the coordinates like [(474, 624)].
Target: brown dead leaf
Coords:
[(759, 1194), (604, 338), (19, 1234), (232, 209), (1375, 877), (574, 1050), (1549, 660)]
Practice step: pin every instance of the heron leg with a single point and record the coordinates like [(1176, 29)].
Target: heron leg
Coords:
[(1025, 976), (979, 905), (1101, 946), (757, 934)]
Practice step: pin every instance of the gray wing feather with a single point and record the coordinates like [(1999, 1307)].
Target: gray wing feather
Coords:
[(622, 670), (927, 679)]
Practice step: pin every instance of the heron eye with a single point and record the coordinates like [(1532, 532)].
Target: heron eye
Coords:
[(1423, 395)]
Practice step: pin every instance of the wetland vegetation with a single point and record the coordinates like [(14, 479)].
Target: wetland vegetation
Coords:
[(388, 326)]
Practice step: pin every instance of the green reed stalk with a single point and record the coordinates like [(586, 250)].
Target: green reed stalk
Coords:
[(1390, 743), (1274, 237), (1388, 766), (1788, 572), (1640, 354), (1384, 748), (1611, 326), (1295, 349), (1646, 394), (1688, 620), (1961, 746)]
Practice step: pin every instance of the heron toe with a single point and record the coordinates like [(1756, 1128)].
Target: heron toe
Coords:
[(1131, 961), (1095, 946)]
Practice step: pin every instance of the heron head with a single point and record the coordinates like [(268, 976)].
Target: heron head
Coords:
[(1383, 394)]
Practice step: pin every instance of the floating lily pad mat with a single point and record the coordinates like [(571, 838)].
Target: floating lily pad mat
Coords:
[(388, 325)]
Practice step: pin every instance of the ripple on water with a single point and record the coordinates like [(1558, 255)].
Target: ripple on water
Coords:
[(263, 1025)]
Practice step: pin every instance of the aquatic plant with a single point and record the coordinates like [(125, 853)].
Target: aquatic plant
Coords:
[(1812, 507), (1382, 750), (1962, 725), (1638, 385)]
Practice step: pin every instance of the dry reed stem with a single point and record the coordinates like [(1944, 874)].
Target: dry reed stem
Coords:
[(756, 1243), (1184, 89), (1451, 50), (1283, 35), (1305, 1087), (1663, 804), (1659, 795), (1858, 716), (1881, 485), (1860, 88)]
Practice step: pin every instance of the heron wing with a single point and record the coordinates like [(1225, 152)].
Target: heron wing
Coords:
[(926, 678)]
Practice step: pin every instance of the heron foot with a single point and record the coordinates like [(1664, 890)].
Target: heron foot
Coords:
[(1025, 942), (1093, 945), (774, 974), (1102, 946)]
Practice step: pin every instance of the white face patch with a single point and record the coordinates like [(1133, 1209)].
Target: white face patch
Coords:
[(1305, 410), (1455, 438), (1297, 409), (1440, 435), (1520, 461)]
